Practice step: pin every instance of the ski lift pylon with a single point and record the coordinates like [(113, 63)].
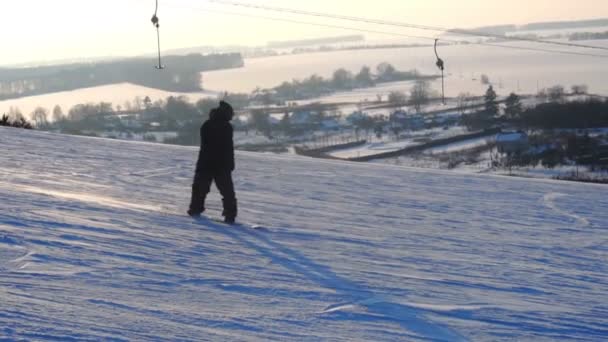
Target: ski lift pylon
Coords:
[(441, 65), (156, 23)]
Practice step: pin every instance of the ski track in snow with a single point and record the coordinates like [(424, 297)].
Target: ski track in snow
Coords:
[(549, 200), (93, 247)]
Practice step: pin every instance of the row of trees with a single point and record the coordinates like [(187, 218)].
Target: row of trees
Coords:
[(420, 95), (20, 122), (183, 75), (556, 112), (554, 149), (173, 114), (341, 80)]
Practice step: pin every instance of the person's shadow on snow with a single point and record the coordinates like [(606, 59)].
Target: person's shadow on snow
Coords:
[(410, 318)]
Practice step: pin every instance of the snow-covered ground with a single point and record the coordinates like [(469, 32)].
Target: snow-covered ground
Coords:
[(511, 70), (94, 246), (372, 148), (362, 95), (411, 138), (252, 137), (461, 145)]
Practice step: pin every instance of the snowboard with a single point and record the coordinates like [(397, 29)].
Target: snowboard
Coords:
[(218, 221)]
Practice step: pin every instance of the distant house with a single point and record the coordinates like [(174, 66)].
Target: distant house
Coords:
[(155, 125), (447, 118), (241, 122), (512, 142), (130, 121), (402, 119), (356, 117), (274, 120), (399, 118), (301, 119), (330, 124)]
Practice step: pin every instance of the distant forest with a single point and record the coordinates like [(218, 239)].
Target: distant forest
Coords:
[(552, 25), (557, 25), (318, 41), (182, 74), (588, 36)]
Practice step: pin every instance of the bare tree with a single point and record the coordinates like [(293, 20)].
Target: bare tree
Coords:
[(465, 101), (40, 116), (261, 121), (57, 113), (419, 94), (15, 113), (556, 93), (386, 71), (397, 98), (128, 106), (485, 80), (138, 103), (580, 89)]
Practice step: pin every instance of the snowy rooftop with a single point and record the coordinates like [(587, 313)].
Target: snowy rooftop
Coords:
[(511, 137), (94, 246)]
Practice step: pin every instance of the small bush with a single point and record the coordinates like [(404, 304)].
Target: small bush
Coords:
[(18, 123)]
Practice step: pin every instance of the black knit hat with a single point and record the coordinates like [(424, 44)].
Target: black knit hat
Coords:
[(227, 109)]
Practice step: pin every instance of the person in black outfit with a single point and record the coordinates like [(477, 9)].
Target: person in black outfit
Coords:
[(215, 163)]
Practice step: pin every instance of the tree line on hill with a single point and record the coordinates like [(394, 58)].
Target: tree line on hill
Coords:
[(554, 111), (175, 114), (341, 80), (183, 74), (20, 122), (558, 128)]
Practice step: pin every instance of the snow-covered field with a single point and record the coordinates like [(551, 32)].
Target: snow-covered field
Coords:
[(511, 70), (461, 145), (94, 246), (372, 148), (388, 144)]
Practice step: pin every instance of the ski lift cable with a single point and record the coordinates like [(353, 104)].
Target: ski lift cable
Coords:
[(399, 24), (156, 23), (391, 33), (349, 28)]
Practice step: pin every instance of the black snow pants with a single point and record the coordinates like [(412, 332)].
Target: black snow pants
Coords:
[(202, 185)]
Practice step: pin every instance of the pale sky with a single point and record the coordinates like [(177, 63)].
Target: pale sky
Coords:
[(39, 30)]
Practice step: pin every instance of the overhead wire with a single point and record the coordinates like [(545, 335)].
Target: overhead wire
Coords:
[(292, 21), (399, 24), (392, 33)]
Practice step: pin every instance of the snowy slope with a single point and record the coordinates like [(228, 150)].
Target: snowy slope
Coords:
[(94, 246)]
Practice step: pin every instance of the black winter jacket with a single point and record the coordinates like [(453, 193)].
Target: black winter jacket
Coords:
[(217, 147)]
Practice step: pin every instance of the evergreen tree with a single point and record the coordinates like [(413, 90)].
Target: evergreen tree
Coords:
[(514, 108), (343, 79), (491, 105), (261, 122), (5, 120), (364, 78), (386, 71), (285, 124)]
